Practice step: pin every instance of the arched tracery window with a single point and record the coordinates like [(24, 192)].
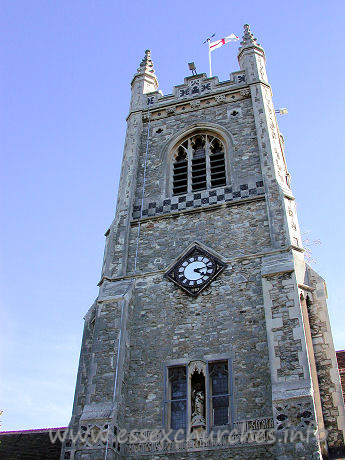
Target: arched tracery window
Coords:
[(198, 164)]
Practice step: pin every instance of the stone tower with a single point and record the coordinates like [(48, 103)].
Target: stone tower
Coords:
[(208, 320)]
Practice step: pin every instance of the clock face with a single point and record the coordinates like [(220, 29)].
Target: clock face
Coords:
[(195, 270)]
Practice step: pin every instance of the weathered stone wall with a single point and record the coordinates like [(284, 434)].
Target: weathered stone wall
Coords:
[(84, 366), (115, 257), (226, 317), (286, 347), (232, 231), (326, 364), (242, 153), (287, 451), (223, 454)]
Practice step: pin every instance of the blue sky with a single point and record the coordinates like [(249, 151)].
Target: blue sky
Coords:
[(66, 68)]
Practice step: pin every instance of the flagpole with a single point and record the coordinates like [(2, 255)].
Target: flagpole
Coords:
[(209, 56), (216, 44)]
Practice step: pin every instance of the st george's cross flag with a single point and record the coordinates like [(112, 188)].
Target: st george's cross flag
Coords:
[(222, 41)]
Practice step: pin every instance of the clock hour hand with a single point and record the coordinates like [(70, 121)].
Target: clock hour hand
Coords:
[(201, 270)]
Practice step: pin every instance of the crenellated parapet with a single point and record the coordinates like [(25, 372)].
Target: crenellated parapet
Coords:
[(197, 86)]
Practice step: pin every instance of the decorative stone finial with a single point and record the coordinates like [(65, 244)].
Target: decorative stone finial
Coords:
[(146, 65), (248, 38), (143, 82)]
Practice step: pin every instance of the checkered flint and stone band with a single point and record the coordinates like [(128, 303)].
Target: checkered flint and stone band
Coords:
[(200, 199)]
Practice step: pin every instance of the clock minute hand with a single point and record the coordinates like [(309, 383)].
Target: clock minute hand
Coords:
[(200, 270)]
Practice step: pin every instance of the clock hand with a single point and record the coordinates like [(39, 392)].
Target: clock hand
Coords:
[(200, 270)]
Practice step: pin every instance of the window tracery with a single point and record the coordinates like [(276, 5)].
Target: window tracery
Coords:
[(198, 164)]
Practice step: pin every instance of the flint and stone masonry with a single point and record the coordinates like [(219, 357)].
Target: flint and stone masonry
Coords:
[(263, 319)]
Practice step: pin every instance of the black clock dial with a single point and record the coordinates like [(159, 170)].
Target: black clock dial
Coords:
[(195, 270)]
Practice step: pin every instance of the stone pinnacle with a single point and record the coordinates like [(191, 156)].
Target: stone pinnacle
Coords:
[(146, 65), (248, 38)]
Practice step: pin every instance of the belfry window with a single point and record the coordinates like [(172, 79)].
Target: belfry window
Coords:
[(199, 164), (180, 172), (217, 164)]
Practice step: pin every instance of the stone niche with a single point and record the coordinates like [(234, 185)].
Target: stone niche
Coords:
[(197, 391)]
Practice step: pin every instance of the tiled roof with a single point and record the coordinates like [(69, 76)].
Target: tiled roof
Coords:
[(341, 359), (341, 366), (34, 430), (29, 445)]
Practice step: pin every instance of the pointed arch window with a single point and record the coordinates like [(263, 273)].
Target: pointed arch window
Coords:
[(198, 164)]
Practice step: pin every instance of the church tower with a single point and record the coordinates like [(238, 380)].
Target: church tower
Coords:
[(210, 337)]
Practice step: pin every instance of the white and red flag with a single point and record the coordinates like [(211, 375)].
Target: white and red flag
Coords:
[(218, 43)]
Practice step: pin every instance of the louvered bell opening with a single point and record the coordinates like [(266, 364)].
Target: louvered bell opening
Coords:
[(218, 178), (180, 180), (199, 173)]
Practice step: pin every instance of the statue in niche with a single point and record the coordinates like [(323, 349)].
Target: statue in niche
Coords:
[(198, 421), (198, 402)]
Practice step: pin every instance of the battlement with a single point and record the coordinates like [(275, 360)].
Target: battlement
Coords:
[(197, 91)]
